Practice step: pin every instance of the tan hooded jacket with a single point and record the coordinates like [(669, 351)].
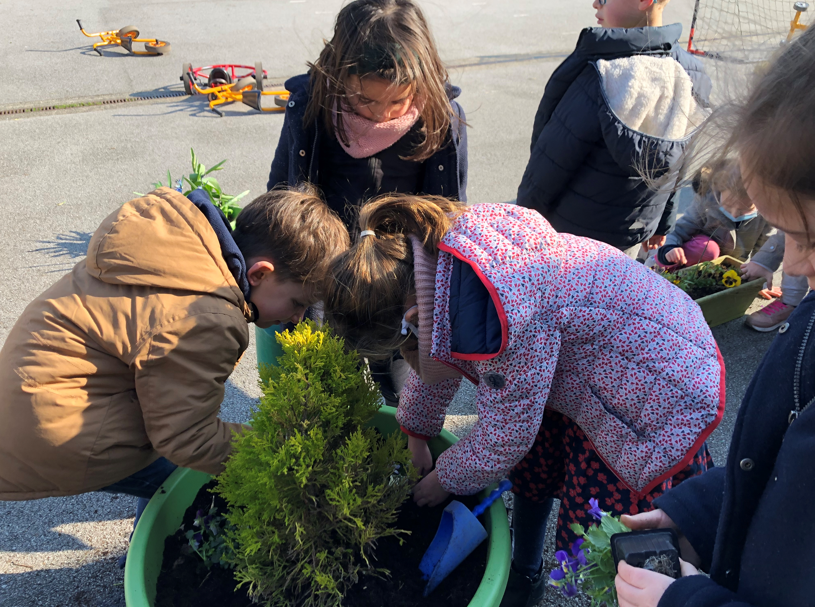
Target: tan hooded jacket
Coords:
[(124, 359)]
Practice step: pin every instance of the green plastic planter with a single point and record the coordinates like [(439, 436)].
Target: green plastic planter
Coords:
[(164, 514), (266, 345), (730, 304)]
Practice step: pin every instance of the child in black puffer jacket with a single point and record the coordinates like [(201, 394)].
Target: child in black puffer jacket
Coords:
[(625, 101)]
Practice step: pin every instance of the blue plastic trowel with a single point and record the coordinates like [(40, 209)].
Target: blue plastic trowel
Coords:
[(459, 534)]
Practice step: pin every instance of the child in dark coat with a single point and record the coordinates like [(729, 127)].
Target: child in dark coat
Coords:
[(749, 523), (374, 115), (625, 100)]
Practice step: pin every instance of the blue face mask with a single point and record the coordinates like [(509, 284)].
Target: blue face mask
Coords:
[(727, 214)]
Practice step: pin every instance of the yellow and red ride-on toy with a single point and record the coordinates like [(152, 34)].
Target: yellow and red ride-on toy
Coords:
[(228, 82), (125, 38)]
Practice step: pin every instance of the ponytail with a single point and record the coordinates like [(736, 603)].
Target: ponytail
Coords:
[(367, 286)]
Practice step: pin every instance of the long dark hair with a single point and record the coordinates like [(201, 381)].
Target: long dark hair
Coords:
[(389, 39), (367, 285)]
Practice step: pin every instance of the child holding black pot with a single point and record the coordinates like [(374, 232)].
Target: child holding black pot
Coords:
[(749, 523), (550, 328)]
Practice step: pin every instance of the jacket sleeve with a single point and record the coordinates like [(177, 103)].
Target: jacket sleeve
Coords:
[(508, 422), (687, 226), (422, 408), (460, 127), (279, 173), (699, 591), (695, 506), (563, 145), (180, 375), (771, 253), (668, 219)]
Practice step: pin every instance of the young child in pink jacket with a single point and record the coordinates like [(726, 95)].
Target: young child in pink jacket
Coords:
[(550, 328)]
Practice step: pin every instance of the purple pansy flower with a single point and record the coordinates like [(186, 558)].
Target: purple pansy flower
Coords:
[(557, 575), (595, 509), (569, 590)]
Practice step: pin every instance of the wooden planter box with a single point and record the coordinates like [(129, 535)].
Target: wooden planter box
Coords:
[(729, 304)]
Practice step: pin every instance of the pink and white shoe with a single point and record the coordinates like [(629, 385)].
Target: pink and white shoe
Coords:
[(770, 317)]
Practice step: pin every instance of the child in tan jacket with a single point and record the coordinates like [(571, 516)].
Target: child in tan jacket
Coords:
[(116, 374)]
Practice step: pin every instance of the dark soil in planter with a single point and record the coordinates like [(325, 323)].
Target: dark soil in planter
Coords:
[(185, 582)]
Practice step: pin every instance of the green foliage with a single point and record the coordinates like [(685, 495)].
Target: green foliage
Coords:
[(597, 579), (310, 488), (199, 179), (702, 279), (207, 538)]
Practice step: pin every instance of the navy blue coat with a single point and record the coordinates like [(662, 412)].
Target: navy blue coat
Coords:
[(582, 174), (751, 521), (298, 151)]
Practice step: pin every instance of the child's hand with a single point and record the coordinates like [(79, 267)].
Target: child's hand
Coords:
[(677, 256), (422, 459), (429, 492), (653, 519), (654, 242), (752, 271), (642, 588)]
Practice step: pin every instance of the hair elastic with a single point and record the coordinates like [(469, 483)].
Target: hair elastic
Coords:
[(365, 233)]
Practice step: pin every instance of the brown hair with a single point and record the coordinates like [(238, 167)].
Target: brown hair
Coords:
[(389, 39), (724, 174), (367, 286), (772, 133), (296, 229)]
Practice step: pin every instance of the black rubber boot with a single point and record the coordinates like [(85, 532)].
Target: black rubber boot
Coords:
[(523, 591)]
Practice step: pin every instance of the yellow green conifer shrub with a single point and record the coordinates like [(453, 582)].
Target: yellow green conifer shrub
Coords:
[(311, 487)]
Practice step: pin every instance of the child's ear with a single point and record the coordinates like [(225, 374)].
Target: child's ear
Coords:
[(258, 271)]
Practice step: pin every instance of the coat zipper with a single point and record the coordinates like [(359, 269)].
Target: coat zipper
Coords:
[(795, 413)]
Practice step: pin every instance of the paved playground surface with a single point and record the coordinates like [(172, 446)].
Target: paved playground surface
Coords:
[(64, 170)]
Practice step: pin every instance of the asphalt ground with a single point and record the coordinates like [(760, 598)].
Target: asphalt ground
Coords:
[(64, 170)]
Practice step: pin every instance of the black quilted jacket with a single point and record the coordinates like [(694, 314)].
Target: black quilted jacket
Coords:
[(583, 172)]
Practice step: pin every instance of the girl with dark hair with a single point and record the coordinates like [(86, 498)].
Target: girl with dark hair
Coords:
[(550, 327), (375, 114)]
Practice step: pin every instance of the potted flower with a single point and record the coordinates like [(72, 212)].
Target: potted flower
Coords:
[(717, 287), (590, 566), (310, 505)]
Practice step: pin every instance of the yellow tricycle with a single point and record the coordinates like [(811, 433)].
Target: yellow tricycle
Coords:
[(125, 38)]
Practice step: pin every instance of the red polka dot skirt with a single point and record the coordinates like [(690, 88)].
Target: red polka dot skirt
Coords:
[(563, 464)]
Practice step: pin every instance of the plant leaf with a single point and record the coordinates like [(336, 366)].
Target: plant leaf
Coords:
[(217, 167)]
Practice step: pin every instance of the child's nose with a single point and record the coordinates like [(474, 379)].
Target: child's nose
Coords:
[(295, 318)]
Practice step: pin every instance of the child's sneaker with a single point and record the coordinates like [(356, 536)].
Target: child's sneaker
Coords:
[(770, 317)]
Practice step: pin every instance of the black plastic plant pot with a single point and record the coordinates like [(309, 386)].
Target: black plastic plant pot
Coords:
[(652, 549)]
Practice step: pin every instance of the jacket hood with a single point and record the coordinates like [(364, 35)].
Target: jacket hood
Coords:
[(604, 42), (162, 240), (651, 95)]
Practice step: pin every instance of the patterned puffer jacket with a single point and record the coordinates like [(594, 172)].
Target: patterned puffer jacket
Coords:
[(539, 319)]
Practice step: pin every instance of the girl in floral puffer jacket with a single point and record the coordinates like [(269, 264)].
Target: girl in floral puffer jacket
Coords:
[(563, 337)]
